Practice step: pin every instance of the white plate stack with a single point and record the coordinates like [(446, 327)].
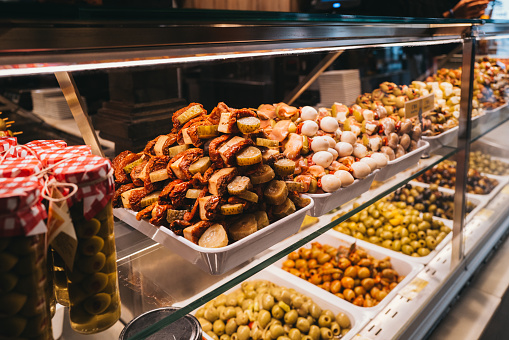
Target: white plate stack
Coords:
[(342, 86), (50, 103)]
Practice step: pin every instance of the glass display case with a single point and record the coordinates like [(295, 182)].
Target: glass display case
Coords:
[(437, 208)]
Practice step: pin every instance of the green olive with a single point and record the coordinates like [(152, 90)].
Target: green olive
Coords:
[(212, 335), (277, 312), (218, 327), (335, 329), (242, 318), (412, 228), (225, 337), (324, 321), (423, 251), (276, 330), (211, 314), (286, 296), (415, 244), (220, 300), (421, 234), (231, 300), (200, 312), (205, 324), (294, 334), (267, 301), (314, 332), (243, 332), (405, 240), (343, 320), (396, 245), (297, 301), (291, 317), (315, 311), (231, 326), (306, 337), (246, 303), (264, 318), (228, 313), (303, 324), (325, 333)]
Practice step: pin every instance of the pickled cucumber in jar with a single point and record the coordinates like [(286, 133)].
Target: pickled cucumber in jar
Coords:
[(60, 279), (24, 291), (93, 283)]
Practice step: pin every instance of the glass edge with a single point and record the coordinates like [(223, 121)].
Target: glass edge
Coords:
[(447, 152)]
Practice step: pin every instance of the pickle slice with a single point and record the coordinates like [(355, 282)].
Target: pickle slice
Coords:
[(214, 237), (294, 186), (7, 262), (129, 167), (207, 131), (11, 303), (248, 124), (95, 283), (91, 264), (268, 153), (193, 193), (284, 167), (173, 215), (232, 209), (175, 150), (300, 201), (249, 156), (149, 199), (201, 165), (7, 282), (249, 196), (313, 186), (239, 185), (97, 304), (262, 220), (159, 175), (305, 145), (268, 143), (263, 175), (284, 209), (12, 327), (243, 227), (87, 229), (276, 192), (91, 246), (193, 112)]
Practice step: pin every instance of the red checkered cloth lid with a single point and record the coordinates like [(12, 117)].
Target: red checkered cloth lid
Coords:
[(54, 156), (21, 210), (94, 177), (36, 147), (7, 142), (19, 167)]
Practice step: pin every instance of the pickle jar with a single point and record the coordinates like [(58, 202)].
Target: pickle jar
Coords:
[(92, 280), (24, 305)]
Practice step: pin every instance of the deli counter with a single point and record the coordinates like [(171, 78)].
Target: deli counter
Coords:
[(373, 249)]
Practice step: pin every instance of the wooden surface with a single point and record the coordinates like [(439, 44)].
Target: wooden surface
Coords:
[(245, 5)]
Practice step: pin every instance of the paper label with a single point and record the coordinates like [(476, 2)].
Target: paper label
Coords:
[(485, 214), (61, 234), (413, 289), (428, 102), (412, 108)]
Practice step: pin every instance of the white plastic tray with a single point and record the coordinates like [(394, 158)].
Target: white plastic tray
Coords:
[(331, 200), (402, 163), (447, 138), (399, 263), (217, 261), (357, 319), (479, 203)]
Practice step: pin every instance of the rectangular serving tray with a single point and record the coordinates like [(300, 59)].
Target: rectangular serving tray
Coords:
[(217, 261), (403, 266), (327, 201), (402, 163), (358, 319), (447, 138)]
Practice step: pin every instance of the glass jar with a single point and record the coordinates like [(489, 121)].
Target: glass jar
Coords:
[(94, 300), (24, 304)]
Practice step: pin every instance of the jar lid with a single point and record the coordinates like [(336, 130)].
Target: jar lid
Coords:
[(186, 327), (17, 193), (53, 156), (94, 178), (19, 167), (7, 142), (21, 210)]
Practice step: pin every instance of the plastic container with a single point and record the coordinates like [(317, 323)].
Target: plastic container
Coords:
[(403, 266), (24, 300), (402, 163), (94, 301), (217, 261), (447, 138), (327, 201), (319, 296), (186, 327)]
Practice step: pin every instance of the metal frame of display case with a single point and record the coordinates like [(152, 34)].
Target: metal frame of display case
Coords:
[(87, 39)]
